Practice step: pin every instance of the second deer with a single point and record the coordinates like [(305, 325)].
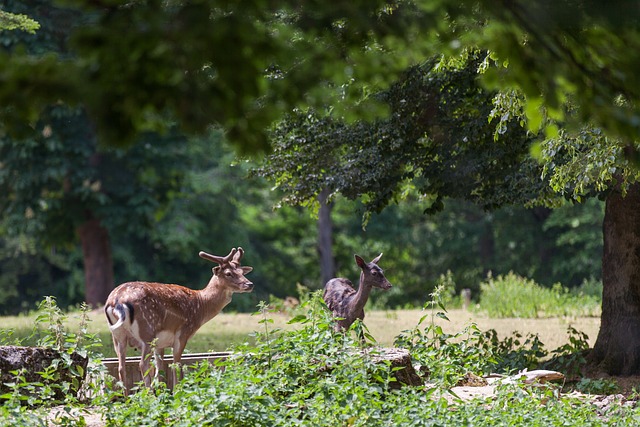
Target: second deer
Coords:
[(153, 316), (344, 301)]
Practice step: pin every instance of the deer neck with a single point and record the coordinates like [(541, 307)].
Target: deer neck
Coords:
[(362, 295), (213, 299)]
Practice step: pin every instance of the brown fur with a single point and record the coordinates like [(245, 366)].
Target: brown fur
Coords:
[(154, 316), (347, 303)]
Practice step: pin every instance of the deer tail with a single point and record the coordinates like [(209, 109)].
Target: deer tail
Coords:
[(121, 312)]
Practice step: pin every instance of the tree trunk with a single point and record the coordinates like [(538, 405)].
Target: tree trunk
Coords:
[(98, 264), (617, 348), (325, 238)]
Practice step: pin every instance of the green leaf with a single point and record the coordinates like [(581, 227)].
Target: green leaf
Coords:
[(533, 112), (442, 315), (300, 318)]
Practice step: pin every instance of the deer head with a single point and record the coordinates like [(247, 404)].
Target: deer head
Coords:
[(372, 275), (229, 272)]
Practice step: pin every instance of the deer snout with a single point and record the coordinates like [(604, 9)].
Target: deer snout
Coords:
[(247, 287), (385, 286)]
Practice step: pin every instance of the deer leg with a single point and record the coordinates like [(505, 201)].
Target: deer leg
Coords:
[(146, 369), (120, 345), (178, 348), (158, 355)]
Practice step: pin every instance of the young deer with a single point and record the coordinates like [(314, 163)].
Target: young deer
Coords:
[(344, 301), (146, 315)]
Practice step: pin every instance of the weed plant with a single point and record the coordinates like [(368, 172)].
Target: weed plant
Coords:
[(29, 403)]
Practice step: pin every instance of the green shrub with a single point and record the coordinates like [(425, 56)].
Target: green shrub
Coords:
[(448, 357), (514, 296), (30, 403)]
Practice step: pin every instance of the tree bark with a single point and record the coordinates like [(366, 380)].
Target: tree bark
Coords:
[(98, 263), (325, 238), (617, 348)]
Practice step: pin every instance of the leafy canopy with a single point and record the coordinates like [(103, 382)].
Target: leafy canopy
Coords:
[(439, 139), (238, 65)]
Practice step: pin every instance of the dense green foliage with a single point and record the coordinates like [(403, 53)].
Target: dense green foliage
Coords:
[(313, 376), (243, 65), (558, 51), (439, 138), (237, 65), (11, 21), (163, 201)]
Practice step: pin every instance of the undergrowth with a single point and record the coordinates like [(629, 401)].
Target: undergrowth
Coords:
[(315, 376), (515, 296)]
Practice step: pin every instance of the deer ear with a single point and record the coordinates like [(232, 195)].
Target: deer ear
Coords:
[(361, 263), (246, 270), (215, 270), (376, 259)]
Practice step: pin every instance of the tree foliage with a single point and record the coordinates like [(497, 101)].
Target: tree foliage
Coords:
[(558, 51), (438, 139), (11, 21), (239, 65)]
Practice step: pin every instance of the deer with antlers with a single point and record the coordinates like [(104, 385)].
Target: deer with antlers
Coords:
[(154, 316), (344, 301)]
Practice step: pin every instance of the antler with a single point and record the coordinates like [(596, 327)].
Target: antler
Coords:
[(218, 259), (238, 255)]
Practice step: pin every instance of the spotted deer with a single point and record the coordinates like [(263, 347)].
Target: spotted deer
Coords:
[(154, 316), (344, 301)]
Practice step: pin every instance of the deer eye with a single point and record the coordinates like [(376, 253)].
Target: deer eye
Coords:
[(227, 273), (374, 272)]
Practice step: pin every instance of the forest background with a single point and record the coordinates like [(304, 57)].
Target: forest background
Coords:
[(215, 204), (168, 196)]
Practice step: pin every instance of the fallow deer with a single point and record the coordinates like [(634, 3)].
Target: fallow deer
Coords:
[(156, 315), (347, 303)]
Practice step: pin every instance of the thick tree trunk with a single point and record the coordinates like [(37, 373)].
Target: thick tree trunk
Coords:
[(617, 348), (325, 238), (98, 264)]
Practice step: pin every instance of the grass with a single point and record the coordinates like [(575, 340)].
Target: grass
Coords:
[(229, 329), (511, 295)]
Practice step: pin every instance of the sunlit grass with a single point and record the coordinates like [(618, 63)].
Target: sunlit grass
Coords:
[(228, 329)]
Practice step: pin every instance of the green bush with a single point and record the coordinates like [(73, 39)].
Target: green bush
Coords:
[(449, 357), (514, 296)]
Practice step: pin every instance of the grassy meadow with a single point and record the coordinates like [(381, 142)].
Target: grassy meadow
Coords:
[(228, 329)]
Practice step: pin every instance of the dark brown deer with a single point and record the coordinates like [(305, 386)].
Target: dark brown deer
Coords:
[(347, 303), (156, 315)]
